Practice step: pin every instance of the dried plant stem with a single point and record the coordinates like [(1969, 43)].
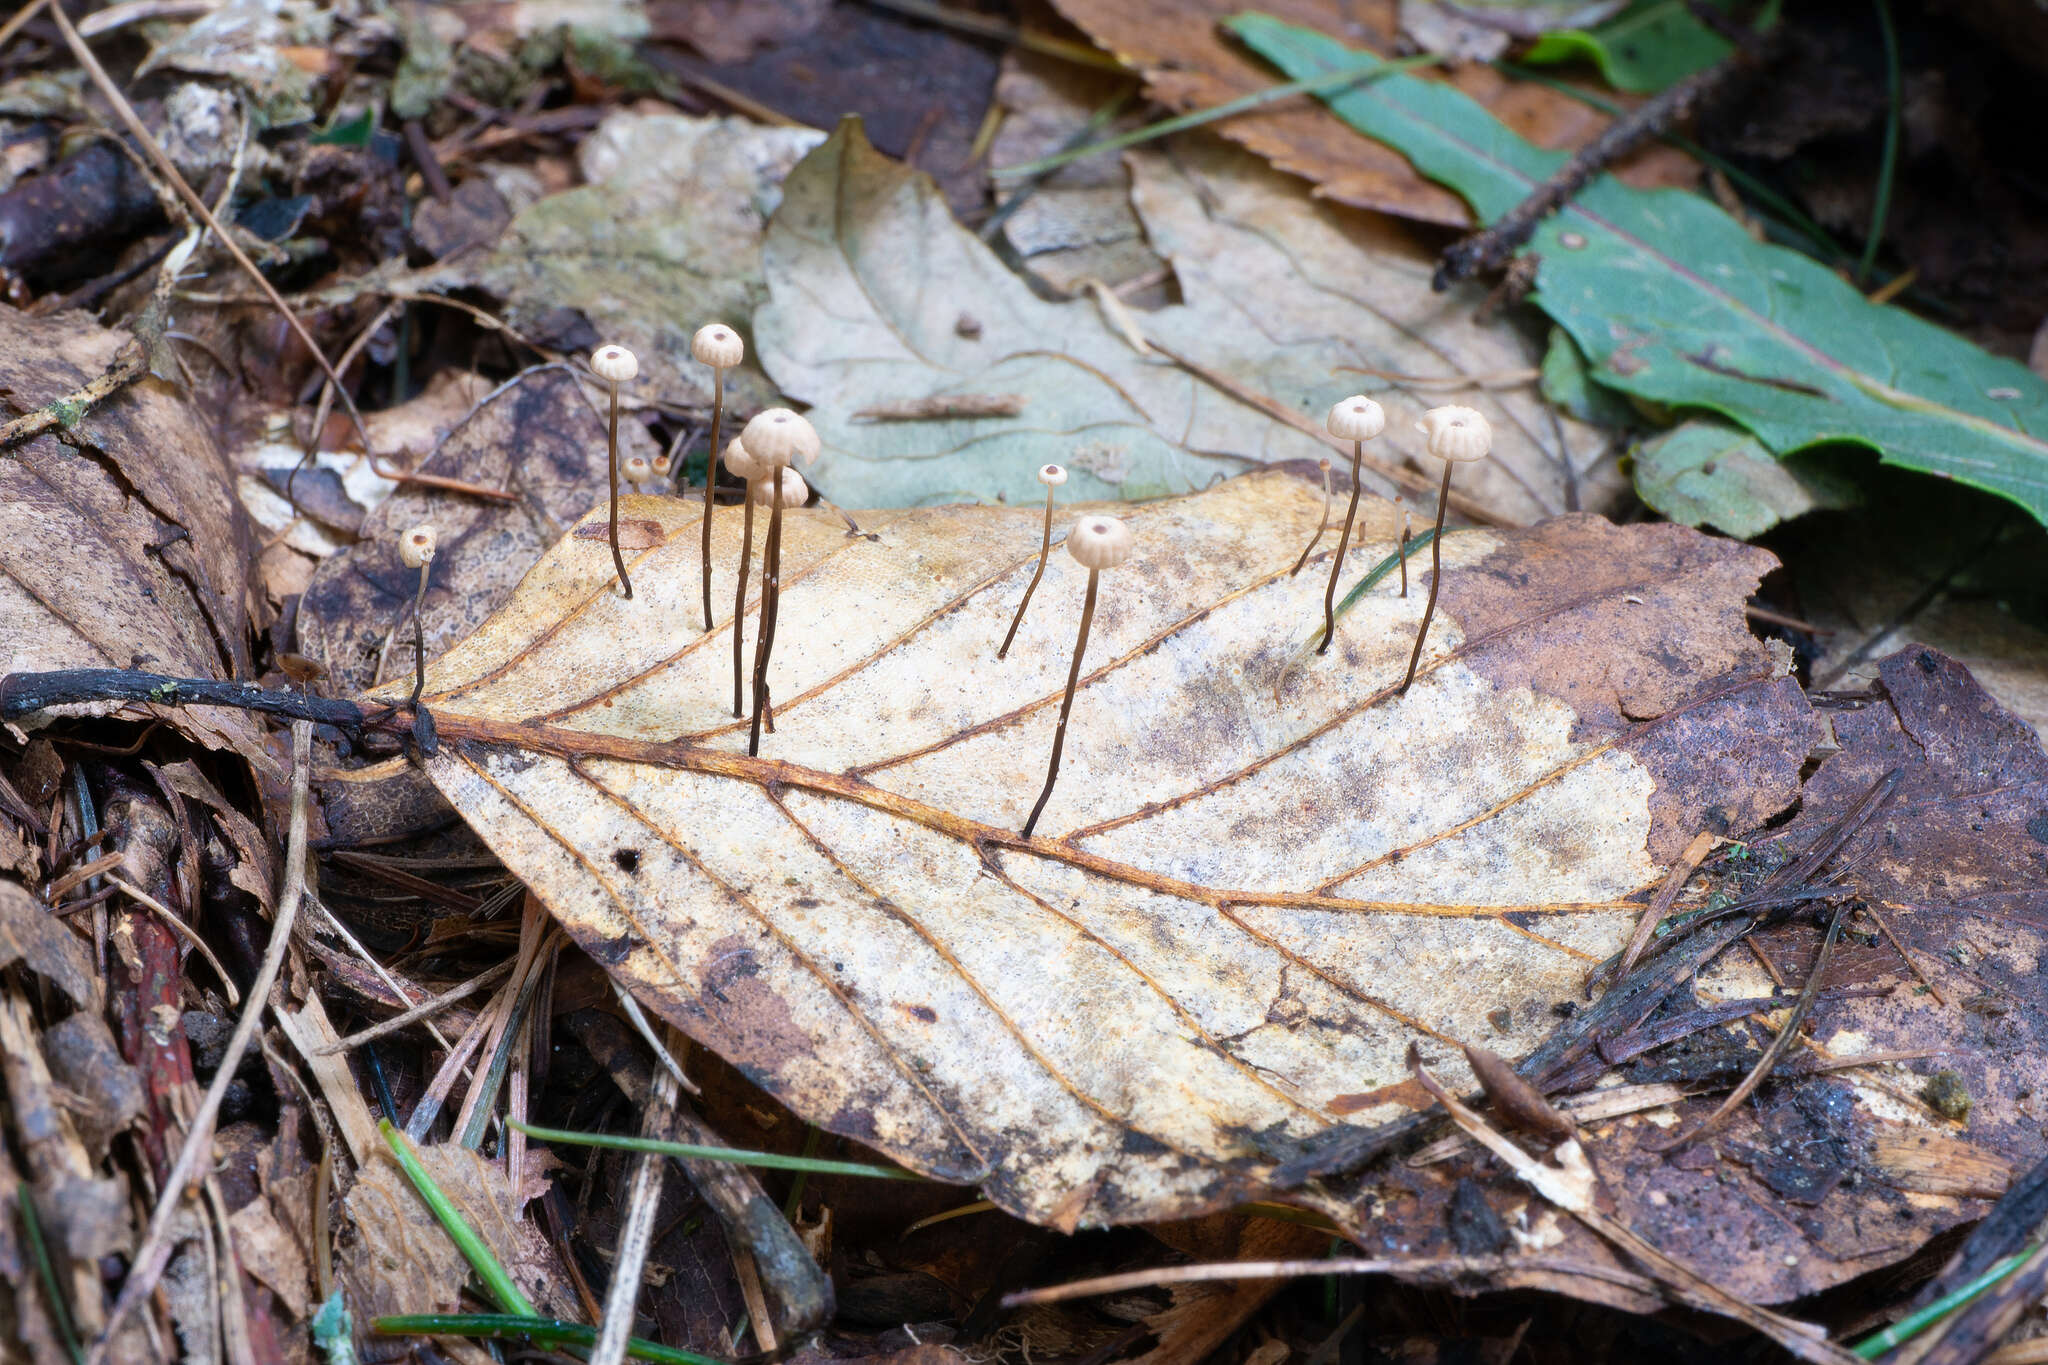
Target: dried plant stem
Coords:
[(612, 442), (1404, 552), (739, 609), (711, 488), (1436, 575), (1343, 540), (425, 1009), (629, 1262), (1059, 735), (1044, 549), (155, 1252), (1322, 524), (771, 605)]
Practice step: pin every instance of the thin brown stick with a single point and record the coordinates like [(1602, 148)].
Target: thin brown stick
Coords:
[(1045, 550), (739, 608), (1343, 542), (153, 1255), (1490, 248), (423, 1010), (126, 113), (129, 365), (711, 488), (1660, 904), (771, 602), (1769, 1061), (1436, 576), (1059, 735), (1322, 522), (1900, 948), (612, 445), (20, 21)]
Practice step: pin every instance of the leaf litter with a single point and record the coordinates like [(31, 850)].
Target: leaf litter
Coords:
[(1241, 1067)]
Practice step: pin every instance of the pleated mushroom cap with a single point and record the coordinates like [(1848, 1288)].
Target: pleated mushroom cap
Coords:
[(1356, 418), (742, 463), (1051, 475), (417, 546), (1457, 434), (787, 487), (614, 364), (718, 346), (780, 437), (1098, 542)]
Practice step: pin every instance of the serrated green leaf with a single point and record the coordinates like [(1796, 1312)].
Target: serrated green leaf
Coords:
[(1708, 473), (1652, 44), (1673, 302)]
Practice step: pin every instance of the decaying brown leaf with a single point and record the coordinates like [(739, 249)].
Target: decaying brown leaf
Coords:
[(1189, 63), (1244, 911), (540, 438), (121, 541)]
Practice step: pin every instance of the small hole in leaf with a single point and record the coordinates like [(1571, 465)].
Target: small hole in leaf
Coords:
[(628, 859)]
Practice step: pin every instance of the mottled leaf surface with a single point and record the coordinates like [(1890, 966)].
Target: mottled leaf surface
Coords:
[(1673, 301), (1241, 908), (878, 297)]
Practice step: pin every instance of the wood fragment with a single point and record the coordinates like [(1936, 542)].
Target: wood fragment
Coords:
[(944, 405), (71, 408)]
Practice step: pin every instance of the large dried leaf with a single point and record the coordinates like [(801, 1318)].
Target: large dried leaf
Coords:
[(1241, 909), (122, 544), (1189, 63), (870, 279)]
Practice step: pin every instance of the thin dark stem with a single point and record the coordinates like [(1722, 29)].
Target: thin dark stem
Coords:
[(739, 611), (419, 637), (1322, 524), (1059, 736), (1403, 543), (1436, 575), (1887, 169), (771, 602), (711, 483), (1337, 564), (612, 441), (1044, 549)]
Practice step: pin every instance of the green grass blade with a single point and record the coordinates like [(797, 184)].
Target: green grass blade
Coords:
[(1910, 1326), (474, 1249), (533, 1330), (773, 1161)]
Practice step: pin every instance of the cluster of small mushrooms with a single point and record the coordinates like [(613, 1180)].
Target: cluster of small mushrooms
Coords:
[(765, 452)]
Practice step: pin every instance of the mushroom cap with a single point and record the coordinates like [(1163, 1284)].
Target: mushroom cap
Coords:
[(742, 463), (1457, 434), (780, 437), (614, 363), (718, 346), (662, 466), (637, 468), (1356, 418), (788, 487), (1051, 475), (1099, 542), (417, 545)]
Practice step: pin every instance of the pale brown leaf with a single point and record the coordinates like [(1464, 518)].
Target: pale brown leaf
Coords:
[(1239, 913)]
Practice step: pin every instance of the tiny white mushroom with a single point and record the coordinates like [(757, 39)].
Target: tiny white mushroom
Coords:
[(1052, 476), (720, 347), (1456, 435), (1096, 543), (614, 364), (416, 548), (778, 438), (1356, 419)]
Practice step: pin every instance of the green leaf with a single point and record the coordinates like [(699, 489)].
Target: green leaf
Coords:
[(1567, 383), (1673, 302), (1652, 44), (1708, 473)]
